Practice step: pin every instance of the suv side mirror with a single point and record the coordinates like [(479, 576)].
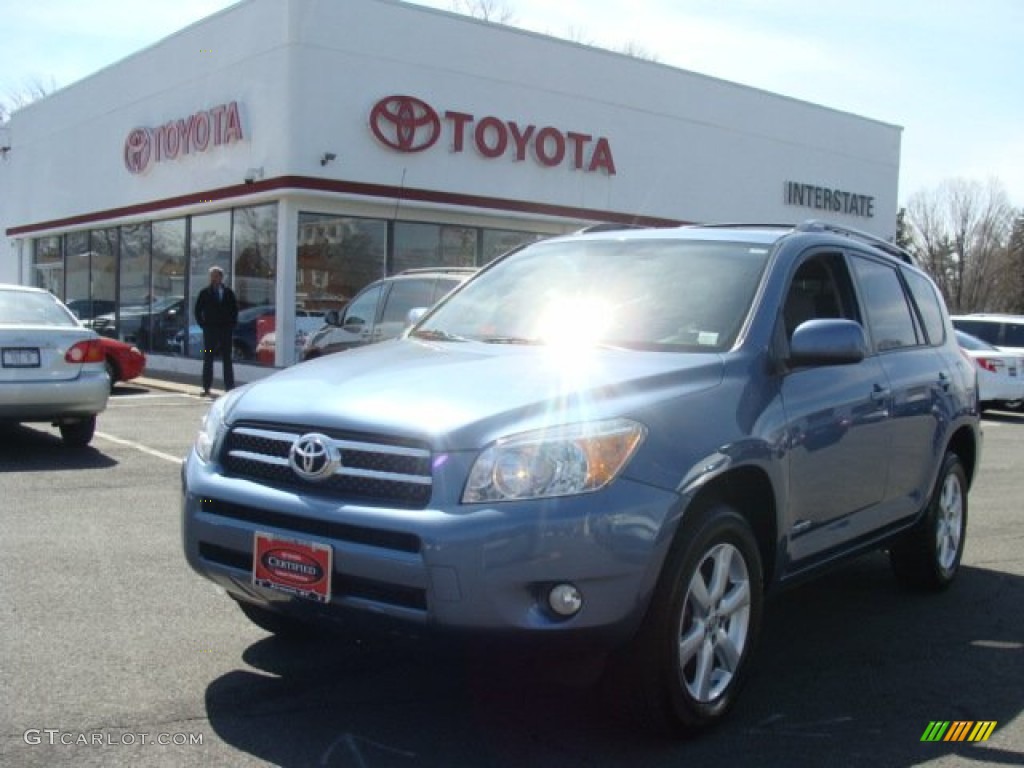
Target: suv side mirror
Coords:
[(354, 323), (827, 342)]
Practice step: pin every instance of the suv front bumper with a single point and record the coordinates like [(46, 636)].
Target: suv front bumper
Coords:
[(477, 568)]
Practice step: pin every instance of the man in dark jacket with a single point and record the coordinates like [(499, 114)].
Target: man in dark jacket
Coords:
[(216, 312)]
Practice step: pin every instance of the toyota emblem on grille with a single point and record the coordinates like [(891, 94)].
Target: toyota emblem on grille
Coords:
[(314, 457)]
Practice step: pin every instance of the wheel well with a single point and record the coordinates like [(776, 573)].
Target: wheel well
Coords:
[(749, 491), (964, 445)]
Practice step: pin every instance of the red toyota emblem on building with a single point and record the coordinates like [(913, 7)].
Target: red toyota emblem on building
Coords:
[(405, 123), (138, 148)]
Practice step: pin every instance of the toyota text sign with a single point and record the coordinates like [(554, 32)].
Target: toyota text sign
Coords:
[(409, 124)]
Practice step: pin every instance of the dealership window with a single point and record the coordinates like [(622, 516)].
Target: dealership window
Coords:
[(495, 242), (134, 285), (104, 246), (433, 245), (48, 265), (76, 284), (337, 257), (255, 255), (133, 292), (255, 274), (168, 309), (209, 245)]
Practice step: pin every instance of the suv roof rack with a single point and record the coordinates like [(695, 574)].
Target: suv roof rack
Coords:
[(607, 226), (817, 225), (430, 270), (737, 225)]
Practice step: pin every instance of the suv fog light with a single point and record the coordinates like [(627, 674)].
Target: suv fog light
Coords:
[(565, 600)]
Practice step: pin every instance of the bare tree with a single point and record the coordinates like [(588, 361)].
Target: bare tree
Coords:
[(31, 91), (487, 10), (960, 231), (637, 51), (1014, 288)]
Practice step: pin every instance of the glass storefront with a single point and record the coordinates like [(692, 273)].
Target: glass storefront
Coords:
[(433, 245), (139, 282), (48, 265), (337, 256)]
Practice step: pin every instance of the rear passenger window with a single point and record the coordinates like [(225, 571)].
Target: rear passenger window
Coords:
[(1014, 335), (980, 329), (889, 317), (928, 304)]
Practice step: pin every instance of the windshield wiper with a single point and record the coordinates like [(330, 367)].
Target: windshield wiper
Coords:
[(434, 334)]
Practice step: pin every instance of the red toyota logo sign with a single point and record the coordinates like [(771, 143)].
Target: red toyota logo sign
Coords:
[(137, 150), (220, 125), (408, 124), (405, 123)]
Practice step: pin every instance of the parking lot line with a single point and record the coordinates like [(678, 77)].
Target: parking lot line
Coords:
[(140, 447)]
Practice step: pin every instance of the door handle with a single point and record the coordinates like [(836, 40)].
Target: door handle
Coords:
[(879, 393), (944, 382)]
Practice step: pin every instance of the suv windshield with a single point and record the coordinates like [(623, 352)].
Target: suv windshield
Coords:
[(661, 294)]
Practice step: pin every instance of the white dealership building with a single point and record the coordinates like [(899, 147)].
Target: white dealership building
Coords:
[(311, 146)]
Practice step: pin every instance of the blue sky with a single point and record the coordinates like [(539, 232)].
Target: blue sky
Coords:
[(950, 72)]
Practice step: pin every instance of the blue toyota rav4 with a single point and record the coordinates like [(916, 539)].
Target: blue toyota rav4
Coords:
[(623, 437)]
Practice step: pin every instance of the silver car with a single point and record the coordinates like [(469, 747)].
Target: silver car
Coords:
[(52, 369)]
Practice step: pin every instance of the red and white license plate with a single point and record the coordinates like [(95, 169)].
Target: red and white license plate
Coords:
[(300, 568)]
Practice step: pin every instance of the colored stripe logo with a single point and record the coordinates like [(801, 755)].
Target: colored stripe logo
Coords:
[(959, 730)]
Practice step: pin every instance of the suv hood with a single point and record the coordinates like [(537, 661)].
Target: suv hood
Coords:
[(461, 395)]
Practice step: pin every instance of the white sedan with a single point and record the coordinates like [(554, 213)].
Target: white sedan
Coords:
[(52, 369), (1000, 374)]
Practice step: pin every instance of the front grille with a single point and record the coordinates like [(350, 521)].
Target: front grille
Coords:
[(355, 534), (372, 470)]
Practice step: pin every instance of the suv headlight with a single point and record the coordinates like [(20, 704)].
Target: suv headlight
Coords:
[(212, 428), (563, 461)]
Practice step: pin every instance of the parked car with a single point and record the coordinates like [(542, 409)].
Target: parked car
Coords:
[(621, 440), (1003, 331), (306, 324), (87, 309), (252, 323), (52, 369), (149, 326), (124, 362), (1000, 374), (243, 342), (380, 311)]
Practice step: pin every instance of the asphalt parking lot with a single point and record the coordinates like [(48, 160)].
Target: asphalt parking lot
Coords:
[(114, 653)]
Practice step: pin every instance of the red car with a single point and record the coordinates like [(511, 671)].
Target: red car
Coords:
[(124, 361)]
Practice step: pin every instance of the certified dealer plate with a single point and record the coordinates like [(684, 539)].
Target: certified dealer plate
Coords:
[(300, 568), (20, 357)]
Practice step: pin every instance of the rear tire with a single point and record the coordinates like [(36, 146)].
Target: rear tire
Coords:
[(928, 557), (78, 434), (683, 671)]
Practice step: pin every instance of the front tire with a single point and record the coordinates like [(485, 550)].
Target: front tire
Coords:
[(929, 555), (692, 654)]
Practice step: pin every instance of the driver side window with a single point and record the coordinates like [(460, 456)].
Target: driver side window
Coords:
[(362, 311), (820, 289)]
